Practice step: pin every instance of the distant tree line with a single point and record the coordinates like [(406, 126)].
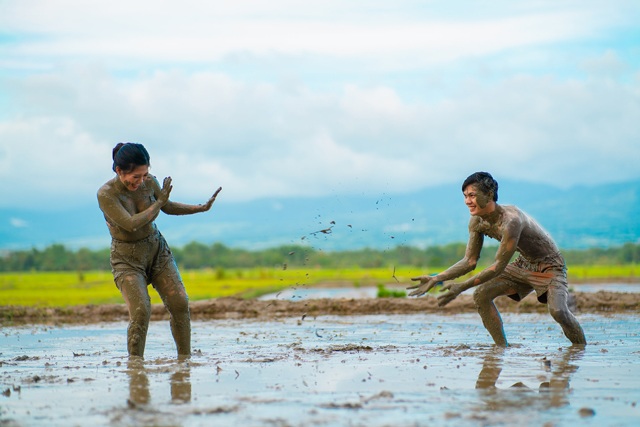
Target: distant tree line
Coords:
[(198, 255), (55, 258)]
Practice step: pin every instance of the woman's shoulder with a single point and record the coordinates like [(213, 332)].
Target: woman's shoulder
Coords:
[(107, 188)]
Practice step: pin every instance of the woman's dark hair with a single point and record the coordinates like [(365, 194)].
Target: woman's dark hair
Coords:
[(485, 183), (127, 156)]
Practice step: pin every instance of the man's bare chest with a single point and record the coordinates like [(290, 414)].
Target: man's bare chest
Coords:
[(493, 230)]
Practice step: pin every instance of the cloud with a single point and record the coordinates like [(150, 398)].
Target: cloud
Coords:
[(18, 223), (273, 100), (256, 141), (48, 162), (125, 35), (606, 65)]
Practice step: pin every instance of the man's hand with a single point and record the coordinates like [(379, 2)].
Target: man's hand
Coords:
[(212, 199), (163, 197), (426, 283), (453, 290)]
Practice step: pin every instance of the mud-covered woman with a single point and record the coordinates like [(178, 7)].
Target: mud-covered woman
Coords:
[(140, 256)]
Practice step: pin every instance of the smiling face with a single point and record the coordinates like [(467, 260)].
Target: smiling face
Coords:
[(134, 179), (479, 203)]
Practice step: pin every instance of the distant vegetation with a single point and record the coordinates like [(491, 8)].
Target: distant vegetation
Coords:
[(70, 288), (67, 288), (218, 256), (57, 276)]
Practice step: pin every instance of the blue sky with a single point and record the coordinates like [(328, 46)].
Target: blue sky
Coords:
[(290, 98)]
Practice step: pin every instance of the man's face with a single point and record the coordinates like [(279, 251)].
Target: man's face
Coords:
[(477, 201)]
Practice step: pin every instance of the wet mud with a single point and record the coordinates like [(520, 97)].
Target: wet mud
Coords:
[(423, 369), (236, 308)]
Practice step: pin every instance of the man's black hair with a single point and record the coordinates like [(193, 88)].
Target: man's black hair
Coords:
[(485, 183)]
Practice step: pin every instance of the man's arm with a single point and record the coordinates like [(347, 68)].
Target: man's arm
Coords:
[(508, 246), (462, 267)]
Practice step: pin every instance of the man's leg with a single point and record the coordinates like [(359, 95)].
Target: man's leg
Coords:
[(134, 291), (171, 289), (483, 298), (491, 369), (557, 301)]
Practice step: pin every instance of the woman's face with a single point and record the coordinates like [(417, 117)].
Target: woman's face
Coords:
[(134, 179)]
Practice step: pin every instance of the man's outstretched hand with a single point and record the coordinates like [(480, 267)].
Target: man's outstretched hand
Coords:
[(426, 283), (453, 290)]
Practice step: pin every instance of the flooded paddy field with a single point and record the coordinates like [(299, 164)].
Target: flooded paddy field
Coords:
[(417, 369), (316, 292)]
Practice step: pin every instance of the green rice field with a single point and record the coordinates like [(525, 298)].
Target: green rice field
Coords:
[(60, 289)]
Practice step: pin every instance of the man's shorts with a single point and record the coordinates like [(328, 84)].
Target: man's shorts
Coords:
[(525, 276), (148, 257)]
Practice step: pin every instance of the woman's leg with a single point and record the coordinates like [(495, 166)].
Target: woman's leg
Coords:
[(138, 382), (134, 291), (171, 289)]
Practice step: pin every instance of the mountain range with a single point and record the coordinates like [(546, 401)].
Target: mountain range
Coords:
[(577, 217)]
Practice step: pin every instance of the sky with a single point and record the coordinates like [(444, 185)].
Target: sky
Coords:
[(292, 98)]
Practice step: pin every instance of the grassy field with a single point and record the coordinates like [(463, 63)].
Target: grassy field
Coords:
[(59, 289)]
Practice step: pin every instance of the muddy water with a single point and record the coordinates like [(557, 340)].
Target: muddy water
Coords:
[(376, 370), (305, 293)]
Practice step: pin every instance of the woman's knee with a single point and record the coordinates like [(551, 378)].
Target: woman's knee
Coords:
[(173, 294), (176, 300), (141, 313), (137, 298), (177, 304)]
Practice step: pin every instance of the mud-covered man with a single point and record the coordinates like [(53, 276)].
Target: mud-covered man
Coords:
[(539, 267)]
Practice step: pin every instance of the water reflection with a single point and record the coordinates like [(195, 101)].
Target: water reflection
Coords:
[(181, 384), (139, 394), (551, 393), (138, 383)]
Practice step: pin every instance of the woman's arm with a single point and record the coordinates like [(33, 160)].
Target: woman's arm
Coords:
[(175, 208), (116, 212), (118, 215)]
